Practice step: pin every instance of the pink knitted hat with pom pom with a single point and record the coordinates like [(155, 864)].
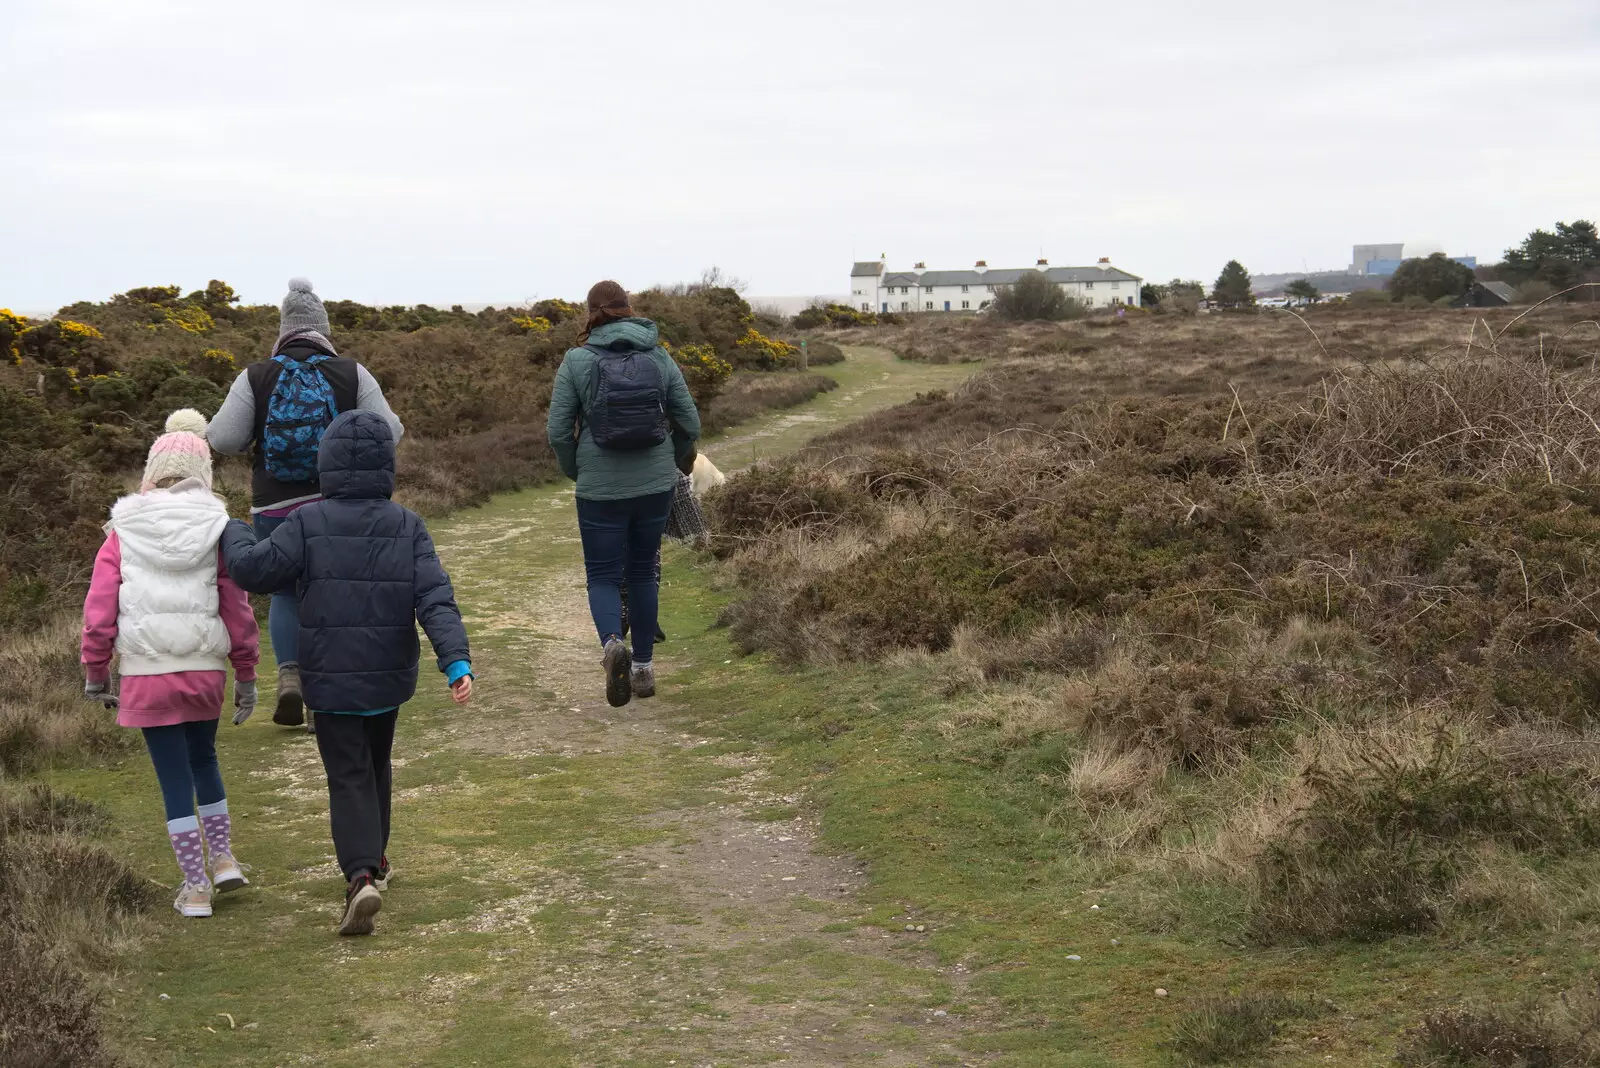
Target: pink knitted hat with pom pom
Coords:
[(182, 452)]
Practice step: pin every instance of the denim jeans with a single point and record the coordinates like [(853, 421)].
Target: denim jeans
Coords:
[(283, 615), (185, 757), (620, 543)]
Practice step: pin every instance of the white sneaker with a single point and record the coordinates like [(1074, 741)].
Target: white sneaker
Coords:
[(193, 900), (644, 680), (226, 873)]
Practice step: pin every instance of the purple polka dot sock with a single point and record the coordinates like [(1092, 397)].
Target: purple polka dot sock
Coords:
[(185, 835), (217, 827)]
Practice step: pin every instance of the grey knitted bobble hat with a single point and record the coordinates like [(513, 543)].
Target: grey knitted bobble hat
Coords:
[(302, 310)]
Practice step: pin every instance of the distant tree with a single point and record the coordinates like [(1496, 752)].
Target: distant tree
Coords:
[(1302, 289), (1233, 287), (1430, 278), (1150, 295), (1034, 296), (1562, 259)]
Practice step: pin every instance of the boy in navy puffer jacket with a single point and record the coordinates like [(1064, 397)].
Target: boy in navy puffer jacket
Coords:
[(365, 573)]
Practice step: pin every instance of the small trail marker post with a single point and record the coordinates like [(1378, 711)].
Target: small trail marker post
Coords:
[(803, 356)]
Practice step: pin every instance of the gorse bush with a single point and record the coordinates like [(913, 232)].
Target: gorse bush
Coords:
[(84, 394), (834, 315)]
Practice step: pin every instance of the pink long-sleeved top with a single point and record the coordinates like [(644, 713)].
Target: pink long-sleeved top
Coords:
[(178, 696)]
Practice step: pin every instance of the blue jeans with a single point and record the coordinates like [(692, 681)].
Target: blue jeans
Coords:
[(620, 543), (283, 615), (185, 756)]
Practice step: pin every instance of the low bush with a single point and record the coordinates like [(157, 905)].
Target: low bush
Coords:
[(66, 906), (749, 394), (822, 314), (1383, 843), (1227, 1030), (820, 353), (1529, 1035)]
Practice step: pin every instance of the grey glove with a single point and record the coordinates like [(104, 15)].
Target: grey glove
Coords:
[(100, 691), (244, 700)]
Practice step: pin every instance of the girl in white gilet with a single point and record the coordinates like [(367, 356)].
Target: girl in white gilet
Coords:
[(161, 600)]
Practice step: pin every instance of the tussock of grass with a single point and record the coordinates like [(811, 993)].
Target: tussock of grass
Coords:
[(1562, 1034), (1229, 1030), (67, 907), (44, 719)]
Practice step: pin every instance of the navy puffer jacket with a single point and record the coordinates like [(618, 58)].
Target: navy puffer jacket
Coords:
[(365, 572)]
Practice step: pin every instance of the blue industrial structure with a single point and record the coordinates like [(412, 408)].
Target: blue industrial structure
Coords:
[(1384, 268)]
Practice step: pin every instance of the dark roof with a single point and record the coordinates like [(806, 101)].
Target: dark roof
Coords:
[(1005, 276), (1501, 290), (870, 268), (900, 278)]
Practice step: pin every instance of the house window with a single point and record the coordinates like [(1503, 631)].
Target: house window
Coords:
[(1088, 285), (865, 306), (928, 306), (963, 289), (905, 289), (988, 289), (966, 303), (905, 305)]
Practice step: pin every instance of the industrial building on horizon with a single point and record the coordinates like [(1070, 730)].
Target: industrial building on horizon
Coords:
[(1383, 260)]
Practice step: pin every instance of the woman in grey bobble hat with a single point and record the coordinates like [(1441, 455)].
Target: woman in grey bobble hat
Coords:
[(277, 410)]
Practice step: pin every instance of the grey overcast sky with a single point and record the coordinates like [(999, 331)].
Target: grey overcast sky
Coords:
[(480, 150)]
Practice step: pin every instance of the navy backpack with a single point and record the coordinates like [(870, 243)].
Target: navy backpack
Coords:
[(627, 407)]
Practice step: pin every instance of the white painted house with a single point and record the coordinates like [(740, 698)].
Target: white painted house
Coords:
[(875, 289)]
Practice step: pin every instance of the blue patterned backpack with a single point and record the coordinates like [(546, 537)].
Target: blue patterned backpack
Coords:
[(300, 408)]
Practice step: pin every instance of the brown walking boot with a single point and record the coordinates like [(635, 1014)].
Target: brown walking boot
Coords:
[(291, 708)]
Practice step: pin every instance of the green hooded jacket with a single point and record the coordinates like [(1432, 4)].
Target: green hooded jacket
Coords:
[(609, 474)]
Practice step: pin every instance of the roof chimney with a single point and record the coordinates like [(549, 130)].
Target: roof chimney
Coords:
[(919, 268), (1042, 264), (1105, 259), (981, 265)]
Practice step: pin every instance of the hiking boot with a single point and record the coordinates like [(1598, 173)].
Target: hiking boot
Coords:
[(361, 903), (193, 900), (381, 880), (643, 680), (226, 873), (291, 707), (619, 665)]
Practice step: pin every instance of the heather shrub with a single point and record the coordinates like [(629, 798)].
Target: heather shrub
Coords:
[(1383, 842), (1526, 1035)]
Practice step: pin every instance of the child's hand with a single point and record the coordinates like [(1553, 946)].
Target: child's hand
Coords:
[(100, 691), (461, 690), (244, 700)]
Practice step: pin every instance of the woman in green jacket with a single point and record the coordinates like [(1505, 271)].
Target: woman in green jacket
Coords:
[(620, 418)]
